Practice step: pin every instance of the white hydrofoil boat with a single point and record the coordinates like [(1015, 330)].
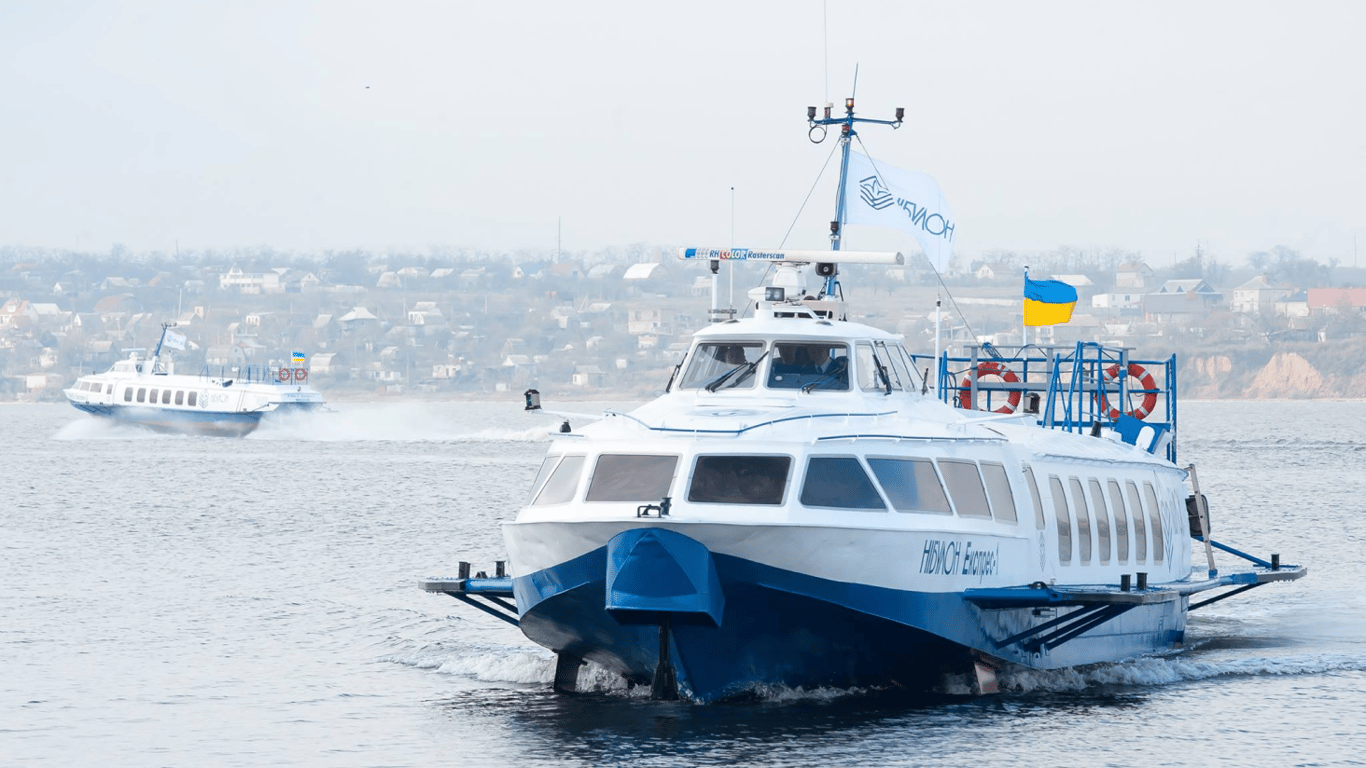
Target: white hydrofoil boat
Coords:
[(799, 509), (147, 392)]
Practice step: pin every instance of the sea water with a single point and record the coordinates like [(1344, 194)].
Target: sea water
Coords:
[(190, 601)]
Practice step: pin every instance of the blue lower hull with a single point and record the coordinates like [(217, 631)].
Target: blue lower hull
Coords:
[(185, 421), (783, 628)]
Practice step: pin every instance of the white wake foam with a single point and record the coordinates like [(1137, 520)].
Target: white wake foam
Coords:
[(1165, 670)]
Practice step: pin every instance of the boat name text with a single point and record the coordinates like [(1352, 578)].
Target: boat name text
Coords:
[(958, 558)]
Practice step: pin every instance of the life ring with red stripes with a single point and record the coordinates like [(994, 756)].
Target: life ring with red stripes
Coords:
[(300, 374), (1149, 385), (1000, 371), (283, 375)]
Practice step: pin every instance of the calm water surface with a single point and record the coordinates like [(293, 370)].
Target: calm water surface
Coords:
[(202, 602)]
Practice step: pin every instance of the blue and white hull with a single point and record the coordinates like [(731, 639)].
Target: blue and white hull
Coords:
[(737, 624), (192, 422)]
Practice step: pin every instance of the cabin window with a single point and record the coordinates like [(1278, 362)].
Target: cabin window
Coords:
[(904, 360), (152, 397), (810, 366), (739, 479), (547, 466), (180, 397), (1083, 521), (1064, 519), (631, 477), (165, 397), (911, 485), (142, 394), (998, 488), (896, 368), (839, 481), (191, 401), (720, 362), (1140, 527), (869, 379), (1034, 496), (563, 483), (1102, 520), (128, 394), (1121, 521), (109, 389), (965, 487), (1155, 523)]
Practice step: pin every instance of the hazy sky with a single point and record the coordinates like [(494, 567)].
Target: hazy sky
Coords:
[(313, 125)]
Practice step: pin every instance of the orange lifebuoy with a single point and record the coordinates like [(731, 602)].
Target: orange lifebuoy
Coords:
[(1149, 396), (1000, 371), (300, 374), (283, 375)]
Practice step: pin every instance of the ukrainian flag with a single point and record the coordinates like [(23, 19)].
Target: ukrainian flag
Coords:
[(1048, 302)]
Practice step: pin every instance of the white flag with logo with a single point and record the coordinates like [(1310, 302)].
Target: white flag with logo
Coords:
[(174, 340), (890, 197)]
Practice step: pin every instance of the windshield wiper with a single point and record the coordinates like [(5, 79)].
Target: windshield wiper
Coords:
[(827, 378), (882, 374), (748, 369)]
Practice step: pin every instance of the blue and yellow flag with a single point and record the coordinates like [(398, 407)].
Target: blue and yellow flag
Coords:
[(1048, 302), (299, 358)]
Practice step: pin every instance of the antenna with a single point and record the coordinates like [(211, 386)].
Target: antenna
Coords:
[(847, 133), (730, 273), (825, 43)]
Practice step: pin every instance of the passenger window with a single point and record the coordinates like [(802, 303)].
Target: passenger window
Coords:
[(142, 394), (1155, 523), (165, 397), (1034, 496), (739, 479), (128, 394), (109, 389), (547, 466), (1121, 522), (965, 487), (1140, 527), (180, 397), (630, 477), (911, 485), (1083, 521), (563, 482), (712, 362), (1063, 518), (152, 397), (839, 481), (1102, 520), (193, 396), (998, 488)]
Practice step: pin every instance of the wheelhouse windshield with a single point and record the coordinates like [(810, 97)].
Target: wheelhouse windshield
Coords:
[(713, 360), (810, 366)]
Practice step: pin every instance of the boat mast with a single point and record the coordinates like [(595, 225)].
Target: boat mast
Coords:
[(847, 133)]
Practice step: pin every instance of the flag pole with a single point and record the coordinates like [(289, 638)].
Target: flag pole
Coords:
[(938, 302), (1024, 329)]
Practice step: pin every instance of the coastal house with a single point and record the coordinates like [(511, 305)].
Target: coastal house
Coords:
[(1336, 300), (1133, 274), (1257, 296)]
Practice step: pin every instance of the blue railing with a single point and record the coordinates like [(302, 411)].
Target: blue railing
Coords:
[(248, 374), (1076, 389)]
